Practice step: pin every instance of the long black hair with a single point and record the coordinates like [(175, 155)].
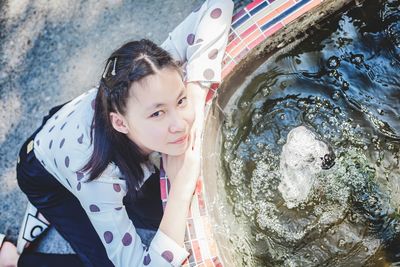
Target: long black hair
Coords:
[(129, 64)]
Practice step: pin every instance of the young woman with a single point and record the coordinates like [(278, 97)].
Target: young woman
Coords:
[(92, 168)]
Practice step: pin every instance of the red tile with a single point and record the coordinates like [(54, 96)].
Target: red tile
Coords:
[(256, 42), (248, 31), (199, 186), (231, 37), (253, 4), (163, 187), (238, 49), (232, 45), (196, 250), (217, 263), (242, 54), (202, 205)]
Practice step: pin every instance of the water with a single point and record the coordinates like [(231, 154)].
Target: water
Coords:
[(343, 85)]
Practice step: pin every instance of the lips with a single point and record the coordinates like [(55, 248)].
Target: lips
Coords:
[(179, 140)]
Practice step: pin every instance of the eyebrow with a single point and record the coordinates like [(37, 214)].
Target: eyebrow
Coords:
[(157, 105)]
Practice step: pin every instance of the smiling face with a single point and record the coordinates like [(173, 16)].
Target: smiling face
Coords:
[(159, 114)]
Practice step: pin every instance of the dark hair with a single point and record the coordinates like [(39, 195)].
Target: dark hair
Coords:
[(129, 64)]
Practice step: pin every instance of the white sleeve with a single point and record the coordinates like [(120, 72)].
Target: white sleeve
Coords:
[(200, 40)]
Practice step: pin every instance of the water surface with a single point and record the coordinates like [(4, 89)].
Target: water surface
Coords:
[(343, 84)]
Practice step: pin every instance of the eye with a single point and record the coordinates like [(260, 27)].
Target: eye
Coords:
[(182, 101), (156, 114)]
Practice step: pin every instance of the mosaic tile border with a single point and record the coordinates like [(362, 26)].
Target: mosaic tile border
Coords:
[(258, 20)]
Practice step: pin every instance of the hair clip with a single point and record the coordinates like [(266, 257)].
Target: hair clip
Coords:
[(115, 63), (106, 70)]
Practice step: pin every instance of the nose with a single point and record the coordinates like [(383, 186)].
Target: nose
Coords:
[(177, 123)]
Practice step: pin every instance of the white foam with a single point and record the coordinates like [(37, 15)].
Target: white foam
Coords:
[(300, 161)]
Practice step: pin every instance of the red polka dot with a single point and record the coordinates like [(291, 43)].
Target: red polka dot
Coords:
[(213, 54), (216, 13), (127, 239), (168, 255), (80, 139), (78, 187), (62, 127), (117, 187), (208, 74), (62, 142), (70, 113), (190, 39), (67, 161), (108, 237), (146, 260), (79, 175), (94, 208)]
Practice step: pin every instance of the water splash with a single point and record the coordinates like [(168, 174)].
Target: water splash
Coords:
[(302, 159)]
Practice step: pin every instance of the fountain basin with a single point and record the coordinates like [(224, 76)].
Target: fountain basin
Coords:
[(239, 239)]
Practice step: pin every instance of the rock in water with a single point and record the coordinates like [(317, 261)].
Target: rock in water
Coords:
[(303, 156)]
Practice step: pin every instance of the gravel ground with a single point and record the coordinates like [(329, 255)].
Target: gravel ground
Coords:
[(52, 51)]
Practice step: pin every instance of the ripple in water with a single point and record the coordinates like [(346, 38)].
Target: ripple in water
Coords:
[(336, 201)]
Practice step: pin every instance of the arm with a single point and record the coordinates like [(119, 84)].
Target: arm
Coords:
[(116, 231), (200, 40)]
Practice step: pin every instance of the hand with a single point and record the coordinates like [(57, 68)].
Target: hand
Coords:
[(184, 170), (197, 95)]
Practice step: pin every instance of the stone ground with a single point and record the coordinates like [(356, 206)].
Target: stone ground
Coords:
[(52, 51)]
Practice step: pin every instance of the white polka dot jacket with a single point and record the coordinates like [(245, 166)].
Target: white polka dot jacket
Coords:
[(63, 145)]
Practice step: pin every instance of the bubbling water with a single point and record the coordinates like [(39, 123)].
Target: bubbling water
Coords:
[(302, 159), (310, 154)]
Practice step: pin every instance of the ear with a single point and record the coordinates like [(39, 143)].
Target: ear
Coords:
[(119, 123)]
